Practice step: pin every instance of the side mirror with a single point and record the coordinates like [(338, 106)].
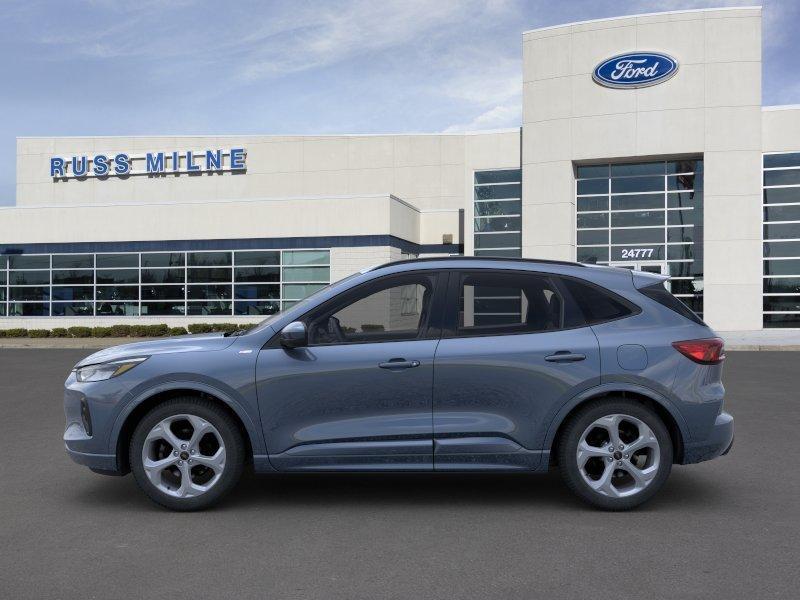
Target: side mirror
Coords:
[(294, 335)]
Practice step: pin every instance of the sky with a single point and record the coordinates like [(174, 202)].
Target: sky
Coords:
[(195, 67)]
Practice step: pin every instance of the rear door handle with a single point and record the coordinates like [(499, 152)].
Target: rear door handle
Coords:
[(398, 364), (565, 356)]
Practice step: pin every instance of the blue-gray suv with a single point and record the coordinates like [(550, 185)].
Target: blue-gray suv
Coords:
[(447, 364)]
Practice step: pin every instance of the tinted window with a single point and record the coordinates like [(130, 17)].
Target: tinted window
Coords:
[(258, 258), (115, 261), (29, 262), (660, 294), (387, 310), (73, 261), (163, 259), (163, 276), (29, 277), (492, 303), (73, 276), (499, 176), (596, 304), (209, 259), (118, 275)]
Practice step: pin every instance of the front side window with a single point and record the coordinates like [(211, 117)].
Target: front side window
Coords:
[(494, 303), (392, 309)]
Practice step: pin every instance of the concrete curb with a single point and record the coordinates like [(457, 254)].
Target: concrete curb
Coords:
[(762, 348)]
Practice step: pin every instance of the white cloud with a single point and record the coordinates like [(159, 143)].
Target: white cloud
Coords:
[(497, 117), (334, 33), (489, 86)]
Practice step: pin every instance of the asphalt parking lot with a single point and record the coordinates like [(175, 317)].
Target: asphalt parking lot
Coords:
[(729, 528)]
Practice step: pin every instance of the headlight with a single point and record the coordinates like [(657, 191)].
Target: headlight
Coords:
[(103, 371)]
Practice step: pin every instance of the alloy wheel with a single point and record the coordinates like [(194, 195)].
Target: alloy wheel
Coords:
[(618, 455), (184, 456)]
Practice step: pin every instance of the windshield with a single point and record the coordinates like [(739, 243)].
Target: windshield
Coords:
[(307, 301)]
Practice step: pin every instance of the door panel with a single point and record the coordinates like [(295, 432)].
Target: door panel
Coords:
[(514, 350), (494, 397), (359, 396), (334, 407)]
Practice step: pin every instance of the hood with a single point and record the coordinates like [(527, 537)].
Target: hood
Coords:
[(182, 343)]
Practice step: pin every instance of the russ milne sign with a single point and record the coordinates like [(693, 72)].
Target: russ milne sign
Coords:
[(122, 164), (635, 70)]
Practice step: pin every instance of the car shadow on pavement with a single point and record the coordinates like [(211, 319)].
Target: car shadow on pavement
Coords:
[(683, 490)]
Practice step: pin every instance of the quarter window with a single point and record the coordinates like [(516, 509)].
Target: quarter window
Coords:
[(596, 304)]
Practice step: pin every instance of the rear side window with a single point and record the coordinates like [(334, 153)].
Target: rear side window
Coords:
[(660, 294), (596, 304), (503, 303)]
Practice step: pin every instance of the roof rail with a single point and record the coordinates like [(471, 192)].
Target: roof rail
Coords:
[(480, 258)]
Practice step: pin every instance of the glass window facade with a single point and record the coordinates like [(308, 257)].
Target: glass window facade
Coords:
[(130, 284), (645, 215), (781, 300), (497, 223)]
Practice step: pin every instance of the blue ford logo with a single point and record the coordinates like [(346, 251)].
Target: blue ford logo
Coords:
[(635, 70)]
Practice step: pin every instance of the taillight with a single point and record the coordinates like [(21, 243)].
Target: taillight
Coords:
[(710, 351)]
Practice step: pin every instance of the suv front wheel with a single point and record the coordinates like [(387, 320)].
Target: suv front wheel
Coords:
[(187, 453), (615, 453)]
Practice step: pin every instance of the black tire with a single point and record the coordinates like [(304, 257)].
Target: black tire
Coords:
[(568, 447), (235, 452)]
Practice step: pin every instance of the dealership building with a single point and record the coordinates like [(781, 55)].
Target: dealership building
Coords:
[(644, 144)]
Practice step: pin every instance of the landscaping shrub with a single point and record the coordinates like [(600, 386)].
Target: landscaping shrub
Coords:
[(120, 330), (138, 331), (80, 332), (159, 330), (200, 328), (16, 332), (156, 330)]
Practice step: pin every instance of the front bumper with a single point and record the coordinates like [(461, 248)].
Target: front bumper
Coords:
[(718, 442), (89, 409), (99, 463), (76, 442)]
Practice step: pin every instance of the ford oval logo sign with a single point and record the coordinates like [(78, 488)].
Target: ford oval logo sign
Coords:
[(635, 70)]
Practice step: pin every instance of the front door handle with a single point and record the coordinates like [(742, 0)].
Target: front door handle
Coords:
[(398, 364), (565, 356)]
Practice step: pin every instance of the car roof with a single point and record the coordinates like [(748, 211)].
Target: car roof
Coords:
[(490, 260), (598, 273)]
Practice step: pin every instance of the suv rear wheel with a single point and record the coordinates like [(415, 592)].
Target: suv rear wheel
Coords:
[(615, 453), (186, 454)]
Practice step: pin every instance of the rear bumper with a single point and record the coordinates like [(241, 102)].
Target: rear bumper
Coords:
[(718, 442)]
